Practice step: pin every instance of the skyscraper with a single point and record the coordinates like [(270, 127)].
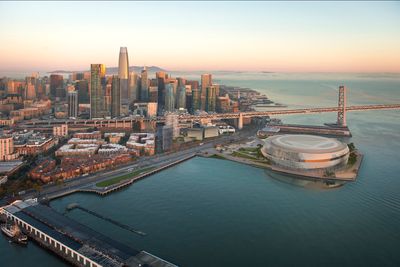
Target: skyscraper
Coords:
[(123, 74), (115, 97), (30, 88), (56, 81), (181, 97), (169, 98), (210, 98), (134, 87), (206, 80), (196, 99), (82, 87), (144, 88), (97, 88), (72, 104), (161, 93)]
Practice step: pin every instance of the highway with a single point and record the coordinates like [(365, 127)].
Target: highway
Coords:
[(217, 116)]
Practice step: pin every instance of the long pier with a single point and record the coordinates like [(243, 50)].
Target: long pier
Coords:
[(76, 243), (125, 183), (121, 225)]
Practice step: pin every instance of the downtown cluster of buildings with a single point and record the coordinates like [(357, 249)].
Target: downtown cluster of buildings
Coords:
[(94, 94), (114, 96), (68, 150)]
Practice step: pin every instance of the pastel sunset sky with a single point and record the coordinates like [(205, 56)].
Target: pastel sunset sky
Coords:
[(252, 36)]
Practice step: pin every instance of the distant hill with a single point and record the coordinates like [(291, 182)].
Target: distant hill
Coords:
[(114, 70)]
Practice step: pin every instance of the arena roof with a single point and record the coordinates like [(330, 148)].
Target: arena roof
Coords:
[(307, 143)]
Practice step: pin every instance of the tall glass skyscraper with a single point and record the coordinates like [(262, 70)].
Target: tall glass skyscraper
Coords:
[(115, 97), (181, 97), (133, 87), (144, 88), (97, 90), (123, 74), (169, 98), (210, 98)]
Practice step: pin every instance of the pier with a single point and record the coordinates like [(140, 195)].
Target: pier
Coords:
[(76, 243), (121, 225), (125, 183)]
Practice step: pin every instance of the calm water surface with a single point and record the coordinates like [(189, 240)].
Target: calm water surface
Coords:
[(209, 212)]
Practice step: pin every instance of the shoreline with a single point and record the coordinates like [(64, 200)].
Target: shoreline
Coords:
[(343, 175)]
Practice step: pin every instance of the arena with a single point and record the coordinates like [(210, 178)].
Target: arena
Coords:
[(305, 152)]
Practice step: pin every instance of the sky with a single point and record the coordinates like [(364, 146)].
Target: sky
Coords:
[(240, 36)]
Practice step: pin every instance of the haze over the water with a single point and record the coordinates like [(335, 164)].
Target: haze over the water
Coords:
[(245, 36)]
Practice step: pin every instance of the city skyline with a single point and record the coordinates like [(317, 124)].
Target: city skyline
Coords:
[(236, 36)]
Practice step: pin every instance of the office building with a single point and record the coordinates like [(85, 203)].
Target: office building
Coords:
[(196, 99), (82, 87), (206, 80), (7, 148), (97, 90), (56, 82), (167, 138), (171, 120), (210, 104), (144, 86), (181, 103), (161, 93), (123, 74), (73, 104), (169, 98), (134, 86), (115, 97)]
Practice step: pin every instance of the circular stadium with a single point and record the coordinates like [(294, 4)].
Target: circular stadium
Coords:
[(305, 152)]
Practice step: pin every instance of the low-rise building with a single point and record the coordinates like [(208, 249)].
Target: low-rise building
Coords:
[(110, 149), (30, 143), (61, 130), (92, 135), (114, 138), (77, 150), (144, 142)]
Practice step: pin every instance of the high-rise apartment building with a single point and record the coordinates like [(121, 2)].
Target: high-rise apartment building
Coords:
[(115, 97), (72, 104), (144, 87), (97, 88), (123, 74)]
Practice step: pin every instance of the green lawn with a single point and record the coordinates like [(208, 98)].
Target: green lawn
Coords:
[(215, 156), (242, 155), (127, 176)]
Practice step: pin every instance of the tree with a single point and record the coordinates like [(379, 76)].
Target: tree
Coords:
[(352, 147)]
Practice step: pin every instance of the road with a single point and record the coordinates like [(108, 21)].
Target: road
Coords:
[(51, 190)]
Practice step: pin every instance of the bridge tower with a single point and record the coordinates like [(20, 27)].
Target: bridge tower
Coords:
[(240, 121), (341, 117)]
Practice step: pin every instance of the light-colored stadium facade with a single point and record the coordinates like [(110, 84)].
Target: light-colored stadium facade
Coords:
[(305, 152)]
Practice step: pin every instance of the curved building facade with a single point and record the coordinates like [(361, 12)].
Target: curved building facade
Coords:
[(123, 74), (305, 152)]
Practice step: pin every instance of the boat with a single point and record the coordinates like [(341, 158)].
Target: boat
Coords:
[(13, 232)]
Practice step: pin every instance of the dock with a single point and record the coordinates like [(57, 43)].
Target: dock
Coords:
[(76, 243)]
